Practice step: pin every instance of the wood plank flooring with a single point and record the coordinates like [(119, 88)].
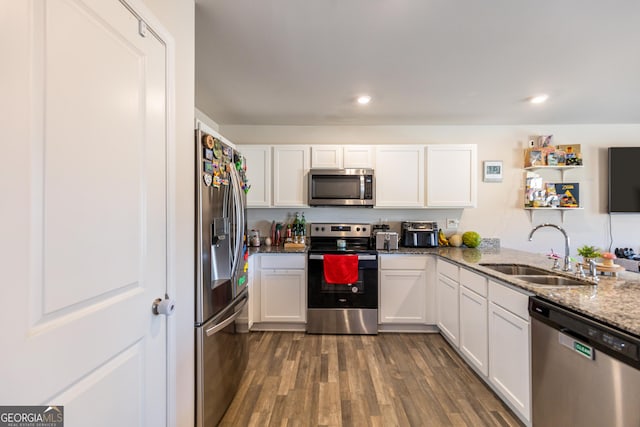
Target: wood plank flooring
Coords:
[(295, 379)]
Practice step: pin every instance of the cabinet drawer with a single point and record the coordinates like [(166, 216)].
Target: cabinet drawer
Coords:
[(449, 270), (403, 262), (282, 261), (509, 299), (474, 281)]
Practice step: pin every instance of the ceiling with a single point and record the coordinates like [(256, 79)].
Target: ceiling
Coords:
[(424, 62)]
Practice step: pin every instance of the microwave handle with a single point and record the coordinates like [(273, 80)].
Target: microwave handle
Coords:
[(361, 187)]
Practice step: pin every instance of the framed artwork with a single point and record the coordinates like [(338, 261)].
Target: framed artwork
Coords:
[(492, 171)]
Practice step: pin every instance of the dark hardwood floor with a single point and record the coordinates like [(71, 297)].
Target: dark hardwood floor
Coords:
[(295, 379)]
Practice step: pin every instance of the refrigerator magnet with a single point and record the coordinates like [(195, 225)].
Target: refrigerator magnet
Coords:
[(207, 141), (208, 179)]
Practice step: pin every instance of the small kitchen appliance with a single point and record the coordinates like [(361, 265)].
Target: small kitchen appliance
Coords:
[(419, 234), (342, 187), (386, 240), (342, 280)]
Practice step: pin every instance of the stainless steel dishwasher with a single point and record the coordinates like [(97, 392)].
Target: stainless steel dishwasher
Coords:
[(585, 373)]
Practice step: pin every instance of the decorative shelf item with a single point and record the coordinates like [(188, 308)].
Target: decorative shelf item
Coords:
[(540, 194)]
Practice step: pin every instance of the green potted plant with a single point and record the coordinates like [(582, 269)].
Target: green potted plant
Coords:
[(588, 252)]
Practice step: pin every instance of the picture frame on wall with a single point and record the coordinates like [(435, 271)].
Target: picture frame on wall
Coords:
[(492, 171)]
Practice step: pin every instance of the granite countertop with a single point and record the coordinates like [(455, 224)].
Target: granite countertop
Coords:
[(275, 250), (614, 300)]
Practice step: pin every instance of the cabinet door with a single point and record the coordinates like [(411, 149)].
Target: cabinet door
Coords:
[(447, 303), (283, 296), (290, 167), (258, 159), (452, 175), (402, 296), (399, 176), (326, 156), (358, 156), (509, 358), (474, 329)]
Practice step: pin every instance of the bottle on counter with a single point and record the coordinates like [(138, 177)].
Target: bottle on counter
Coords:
[(303, 229), (296, 228), (289, 233)]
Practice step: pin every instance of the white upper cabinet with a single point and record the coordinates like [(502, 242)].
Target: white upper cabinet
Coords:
[(399, 176), (358, 156), (258, 158), (326, 156), (341, 156), (452, 176), (290, 166)]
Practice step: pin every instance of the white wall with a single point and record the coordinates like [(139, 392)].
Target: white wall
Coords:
[(177, 16), (499, 212)]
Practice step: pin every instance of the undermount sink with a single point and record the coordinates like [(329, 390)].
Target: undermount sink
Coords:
[(518, 269), (552, 281)]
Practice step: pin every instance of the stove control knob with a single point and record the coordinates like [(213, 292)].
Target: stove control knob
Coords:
[(354, 289), (322, 228), (364, 229), (357, 228)]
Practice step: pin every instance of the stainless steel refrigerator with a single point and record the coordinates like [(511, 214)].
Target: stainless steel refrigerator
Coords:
[(221, 275)]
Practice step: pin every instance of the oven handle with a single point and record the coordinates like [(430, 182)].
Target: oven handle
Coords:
[(360, 257)]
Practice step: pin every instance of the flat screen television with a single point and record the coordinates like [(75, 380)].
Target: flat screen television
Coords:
[(624, 179)]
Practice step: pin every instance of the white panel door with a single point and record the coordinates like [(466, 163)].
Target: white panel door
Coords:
[(402, 296), (448, 308), (509, 365), (474, 335), (290, 167), (84, 216), (358, 156), (283, 296), (451, 175), (259, 174), (399, 176), (326, 156)]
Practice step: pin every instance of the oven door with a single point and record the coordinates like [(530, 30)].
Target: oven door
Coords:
[(361, 294)]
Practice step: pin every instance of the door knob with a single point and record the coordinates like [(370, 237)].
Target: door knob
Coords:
[(164, 306)]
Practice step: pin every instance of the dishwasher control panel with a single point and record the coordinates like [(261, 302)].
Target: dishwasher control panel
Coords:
[(598, 334)]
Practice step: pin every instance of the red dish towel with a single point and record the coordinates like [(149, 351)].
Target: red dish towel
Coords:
[(340, 269)]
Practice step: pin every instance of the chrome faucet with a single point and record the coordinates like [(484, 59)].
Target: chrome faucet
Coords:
[(593, 270), (567, 259)]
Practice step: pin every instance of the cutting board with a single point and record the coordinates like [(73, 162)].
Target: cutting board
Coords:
[(614, 269)]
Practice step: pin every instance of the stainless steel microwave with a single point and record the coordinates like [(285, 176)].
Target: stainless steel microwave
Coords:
[(342, 187)]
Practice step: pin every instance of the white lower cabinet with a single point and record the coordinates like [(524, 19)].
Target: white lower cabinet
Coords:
[(283, 287), (473, 320), (488, 323), (406, 293), (283, 296), (448, 302), (402, 296), (509, 348)]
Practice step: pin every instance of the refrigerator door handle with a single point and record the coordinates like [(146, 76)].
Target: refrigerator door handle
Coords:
[(226, 322), (238, 217)]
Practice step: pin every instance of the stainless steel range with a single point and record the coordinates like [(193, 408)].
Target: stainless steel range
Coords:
[(342, 280)]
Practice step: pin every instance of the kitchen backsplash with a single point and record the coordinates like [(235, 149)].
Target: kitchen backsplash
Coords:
[(260, 219)]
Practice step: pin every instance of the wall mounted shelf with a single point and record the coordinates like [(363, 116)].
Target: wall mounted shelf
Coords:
[(562, 211)]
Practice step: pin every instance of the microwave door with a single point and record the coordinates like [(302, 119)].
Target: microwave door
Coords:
[(338, 187)]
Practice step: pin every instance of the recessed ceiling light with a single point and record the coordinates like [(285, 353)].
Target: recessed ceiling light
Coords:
[(364, 99), (539, 99)]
